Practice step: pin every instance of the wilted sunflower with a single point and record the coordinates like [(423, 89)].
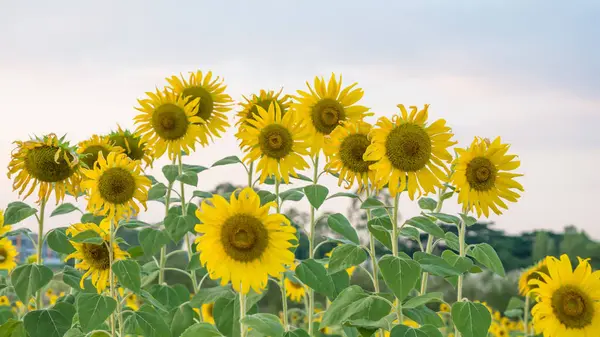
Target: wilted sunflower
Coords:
[(134, 147), (568, 300), (94, 259), (327, 106), (410, 152), (8, 254), (169, 123), (115, 187), (241, 242), (345, 149), (3, 228), (88, 150), (277, 142), (207, 312), (47, 162), (532, 273), (482, 178), (213, 104), (263, 100)]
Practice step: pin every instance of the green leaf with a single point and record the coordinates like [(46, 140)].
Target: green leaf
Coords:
[(88, 236), (435, 265), (12, 328), (208, 295), (91, 218), (467, 219), (227, 315), (487, 256), (471, 319), (152, 240), (383, 221), (177, 226), (151, 322), (406, 331), (64, 209), (423, 315), (515, 303), (166, 295), (296, 333), (189, 178), (452, 241), (29, 278), (302, 177), (426, 225), (341, 281), (344, 194), (171, 172), (338, 223), (183, 318), (266, 324), (411, 233), (227, 161), (380, 233), (266, 197), (72, 277), (460, 264), (371, 203), (423, 299), (93, 310), (447, 218), (17, 211), (129, 274), (153, 301), (314, 275), (427, 203), (201, 330), (157, 191), (203, 195), (153, 180), (194, 263), (353, 302), (292, 195), (316, 194), (194, 168), (400, 275), (46, 323), (59, 242), (346, 256)]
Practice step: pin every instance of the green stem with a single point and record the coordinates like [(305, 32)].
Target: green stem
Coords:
[(373, 255), (459, 288), (113, 292), (163, 249), (187, 235), (250, 174), (395, 225), (243, 331), (282, 284), (40, 244), (429, 248), (526, 316), (311, 243)]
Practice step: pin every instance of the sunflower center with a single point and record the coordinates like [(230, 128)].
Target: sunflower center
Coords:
[(97, 256), (253, 112), (133, 148), (352, 150), (206, 105), (3, 255), (573, 307), (408, 147), (91, 155), (244, 237), (170, 121), (481, 174), (41, 165), (327, 114), (116, 185), (295, 285), (275, 141)]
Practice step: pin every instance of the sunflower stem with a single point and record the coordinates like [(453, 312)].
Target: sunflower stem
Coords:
[(242, 313), (395, 225), (526, 316), (113, 293), (311, 243), (373, 256), (459, 288), (40, 244), (282, 284), (250, 175), (187, 235), (429, 248), (163, 249)]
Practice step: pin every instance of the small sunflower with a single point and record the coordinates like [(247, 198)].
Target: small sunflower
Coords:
[(212, 105), (241, 242), (410, 152), (94, 259), (47, 162), (345, 149), (295, 291), (32, 258), (168, 123), (327, 106), (133, 146), (8, 255), (444, 307), (49, 292), (263, 100), (89, 150), (4, 301), (277, 142), (532, 273), (568, 301), (131, 300), (3, 228), (115, 186), (207, 312), (482, 178)]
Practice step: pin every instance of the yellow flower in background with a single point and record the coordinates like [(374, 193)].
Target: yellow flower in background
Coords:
[(46, 163), (207, 312), (4, 301), (568, 301), (482, 176), (52, 299), (168, 123), (444, 307), (32, 258), (345, 149), (295, 291), (3, 228), (115, 187), (241, 242), (8, 255), (532, 274), (49, 292), (131, 300), (211, 101), (277, 143), (133, 146), (410, 153), (94, 259), (88, 150), (263, 99), (327, 105)]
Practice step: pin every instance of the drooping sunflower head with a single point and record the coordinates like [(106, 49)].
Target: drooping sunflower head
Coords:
[(133, 146), (327, 105), (241, 242), (211, 101), (410, 153), (115, 187), (295, 290), (568, 300), (345, 150), (533, 273), (47, 163), (264, 100), (169, 123), (88, 150), (94, 259), (482, 176), (207, 312), (277, 142), (3, 228), (8, 255)]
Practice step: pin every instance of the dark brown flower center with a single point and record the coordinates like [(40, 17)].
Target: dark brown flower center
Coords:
[(408, 147), (41, 164), (244, 237), (573, 307), (97, 256), (352, 150), (170, 121), (327, 114), (117, 185), (204, 109), (481, 174), (275, 141)]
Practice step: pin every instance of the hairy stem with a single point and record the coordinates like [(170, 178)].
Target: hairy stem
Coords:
[(429, 248), (311, 244), (243, 331), (526, 316), (187, 235), (395, 251), (163, 249), (282, 282), (459, 288), (40, 245), (113, 292)]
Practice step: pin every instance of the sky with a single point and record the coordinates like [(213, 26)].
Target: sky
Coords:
[(528, 71)]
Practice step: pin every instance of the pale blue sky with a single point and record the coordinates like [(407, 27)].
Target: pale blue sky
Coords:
[(528, 71)]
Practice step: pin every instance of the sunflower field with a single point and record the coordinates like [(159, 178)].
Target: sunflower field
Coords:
[(237, 245)]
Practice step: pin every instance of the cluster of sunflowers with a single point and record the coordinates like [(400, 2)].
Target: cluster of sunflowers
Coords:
[(244, 241)]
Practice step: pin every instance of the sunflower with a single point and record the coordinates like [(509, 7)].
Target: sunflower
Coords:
[(207, 312), (241, 242), (568, 300), (8, 255), (89, 150), (277, 143), (531, 274), (47, 162), (482, 178), (133, 146), (410, 152), (131, 300), (4, 301), (295, 291), (49, 292), (115, 186), (3, 228), (32, 258), (94, 259), (210, 101), (444, 307), (326, 107), (263, 100), (168, 123), (345, 149)]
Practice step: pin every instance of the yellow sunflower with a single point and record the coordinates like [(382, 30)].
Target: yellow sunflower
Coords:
[(482, 178), (531, 274), (295, 291), (88, 150), (47, 162), (134, 147), (263, 100), (131, 300), (94, 259), (3, 228), (345, 149), (326, 106), (207, 312), (568, 300), (241, 242), (277, 143), (115, 186), (168, 123), (4, 301), (444, 307), (410, 153), (32, 258), (8, 255), (213, 101)]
